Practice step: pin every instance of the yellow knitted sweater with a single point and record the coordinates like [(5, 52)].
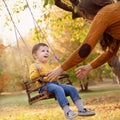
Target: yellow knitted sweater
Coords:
[(34, 72)]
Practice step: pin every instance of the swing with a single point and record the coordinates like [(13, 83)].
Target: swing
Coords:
[(32, 91), (64, 78), (29, 85)]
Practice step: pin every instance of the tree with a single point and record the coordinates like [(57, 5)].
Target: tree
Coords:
[(115, 66), (3, 77)]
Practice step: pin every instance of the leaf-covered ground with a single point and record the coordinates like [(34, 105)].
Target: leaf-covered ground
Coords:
[(53, 112), (105, 101)]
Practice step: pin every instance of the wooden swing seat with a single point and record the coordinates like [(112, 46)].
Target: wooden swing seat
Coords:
[(32, 90)]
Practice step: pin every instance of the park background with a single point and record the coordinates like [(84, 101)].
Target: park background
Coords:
[(56, 27)]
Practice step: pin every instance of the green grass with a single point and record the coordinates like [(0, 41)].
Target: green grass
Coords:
[(103, 99)]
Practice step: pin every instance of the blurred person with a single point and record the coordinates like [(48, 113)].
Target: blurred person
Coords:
[(105, 29)]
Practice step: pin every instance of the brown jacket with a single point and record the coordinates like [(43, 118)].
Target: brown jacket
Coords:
[(107, 20)]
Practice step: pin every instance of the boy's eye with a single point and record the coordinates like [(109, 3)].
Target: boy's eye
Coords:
[(43, 51)]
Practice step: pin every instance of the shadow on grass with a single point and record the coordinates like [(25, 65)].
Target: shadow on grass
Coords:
[(98, 91), (103, 88)]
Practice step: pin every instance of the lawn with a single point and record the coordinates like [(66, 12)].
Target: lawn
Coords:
[(103, 99)]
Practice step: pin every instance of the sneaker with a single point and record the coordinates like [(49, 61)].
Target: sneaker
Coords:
[(86, 112), (70, 115)]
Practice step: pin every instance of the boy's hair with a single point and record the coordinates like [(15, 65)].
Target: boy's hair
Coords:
[(36, 47)]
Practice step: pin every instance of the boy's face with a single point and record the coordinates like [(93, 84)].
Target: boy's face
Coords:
[(42, 55)]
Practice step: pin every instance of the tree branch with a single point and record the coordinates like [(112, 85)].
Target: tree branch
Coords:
[(63, 6), (67, 7)]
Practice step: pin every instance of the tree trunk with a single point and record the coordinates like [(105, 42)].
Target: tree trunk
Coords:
[(115, 66), (84, 85), (100, 76)]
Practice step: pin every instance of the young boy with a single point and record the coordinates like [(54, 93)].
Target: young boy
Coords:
[(40, 54)]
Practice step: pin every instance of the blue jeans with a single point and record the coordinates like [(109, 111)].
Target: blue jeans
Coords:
[(60, 90)]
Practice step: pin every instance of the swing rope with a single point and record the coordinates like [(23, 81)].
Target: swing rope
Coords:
[(15, 24), (36, 26), (38, 97), (43, 34), (16, 36), (34, 21)]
